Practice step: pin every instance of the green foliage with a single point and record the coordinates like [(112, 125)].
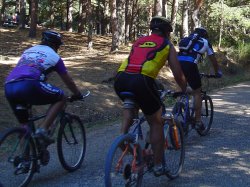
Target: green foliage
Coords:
[(243, 53), (235, 22)]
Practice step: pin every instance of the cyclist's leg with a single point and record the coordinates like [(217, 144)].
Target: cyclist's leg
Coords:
[(48, 94), (128, 115), (197, 104), (13, 93), (52, 112), (193, 77), (156, 136), (151, 105), (123, 84)]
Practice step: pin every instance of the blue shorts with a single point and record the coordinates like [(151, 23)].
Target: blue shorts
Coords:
[(31, 92)]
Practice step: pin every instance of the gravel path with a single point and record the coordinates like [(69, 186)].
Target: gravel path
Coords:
[(219, 159)]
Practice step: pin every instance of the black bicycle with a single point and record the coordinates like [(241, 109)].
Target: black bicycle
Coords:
[(22, 153), (183, 109), (130, 155)]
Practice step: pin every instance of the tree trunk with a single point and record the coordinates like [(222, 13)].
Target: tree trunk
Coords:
[(158, 8), (69, 15), (121, 21), (128, 15), (164, 8), (33, 22), (17, 7), (221, 23), (105, 22), (174, 14), (195, 15), (90, 21), (82, 10), (114, 26), (52, 13), (98, 17), (184, 32), (22, 14), (133, 20), (2, 12), (150, 12)]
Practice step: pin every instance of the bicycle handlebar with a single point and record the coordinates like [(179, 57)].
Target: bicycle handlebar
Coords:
[(80, 98)]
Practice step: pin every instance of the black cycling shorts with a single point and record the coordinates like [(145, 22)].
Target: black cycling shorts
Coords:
[(144, 88), (192, 74)]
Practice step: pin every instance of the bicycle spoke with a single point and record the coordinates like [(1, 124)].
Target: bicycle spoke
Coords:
[(123, 167), (71, 143), (16, 161), (174, 151)]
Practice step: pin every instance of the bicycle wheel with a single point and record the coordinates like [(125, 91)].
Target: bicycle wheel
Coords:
[(71, 142), (179, 114), (207, 114), (17, 151), (121, 167), (174, 150)]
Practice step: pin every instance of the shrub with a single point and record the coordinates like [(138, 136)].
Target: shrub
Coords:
[(243, 53)]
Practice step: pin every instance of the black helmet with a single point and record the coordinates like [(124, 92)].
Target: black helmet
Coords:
[(52, 38), (161, 23), (201, 32)]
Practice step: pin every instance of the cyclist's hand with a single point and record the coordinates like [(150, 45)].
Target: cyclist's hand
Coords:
[(219, 74), (189, 90)]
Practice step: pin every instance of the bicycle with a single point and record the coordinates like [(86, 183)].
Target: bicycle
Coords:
[(183, 109), (126, 161), (22, 153)]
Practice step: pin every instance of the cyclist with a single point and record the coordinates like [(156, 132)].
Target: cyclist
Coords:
[(137, 75), (191, 50), (26, 84)]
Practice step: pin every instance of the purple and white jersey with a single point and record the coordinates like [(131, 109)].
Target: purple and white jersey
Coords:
[(36, 62)]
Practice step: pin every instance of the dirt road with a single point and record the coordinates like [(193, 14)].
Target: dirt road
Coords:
[(220, 159)]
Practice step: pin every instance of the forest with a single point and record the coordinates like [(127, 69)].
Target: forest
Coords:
[(227, 21)]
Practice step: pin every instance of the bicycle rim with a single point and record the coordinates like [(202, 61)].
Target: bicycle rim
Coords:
[(16, 158), (71, 143), (174, 151), (121, 167), (207, 113)]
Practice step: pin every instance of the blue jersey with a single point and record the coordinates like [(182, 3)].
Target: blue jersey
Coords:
[(200, 47)]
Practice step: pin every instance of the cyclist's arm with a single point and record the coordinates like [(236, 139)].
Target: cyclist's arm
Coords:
[(212, 58), (176, 69), (63, 73), (70, 83), (214, 62)]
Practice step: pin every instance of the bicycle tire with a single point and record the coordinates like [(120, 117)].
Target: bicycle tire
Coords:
[(71, 142), (179, 114), (123, 174), (207, 114), (174, 151), (17, 169)]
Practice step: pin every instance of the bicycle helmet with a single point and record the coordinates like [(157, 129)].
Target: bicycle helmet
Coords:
[(161, 23), (52, 38), (201, 32)]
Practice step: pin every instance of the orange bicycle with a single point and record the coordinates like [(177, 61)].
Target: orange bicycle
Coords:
[(127, 161)]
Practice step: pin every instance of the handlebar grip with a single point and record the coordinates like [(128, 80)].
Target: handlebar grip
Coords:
[(78, 97)]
